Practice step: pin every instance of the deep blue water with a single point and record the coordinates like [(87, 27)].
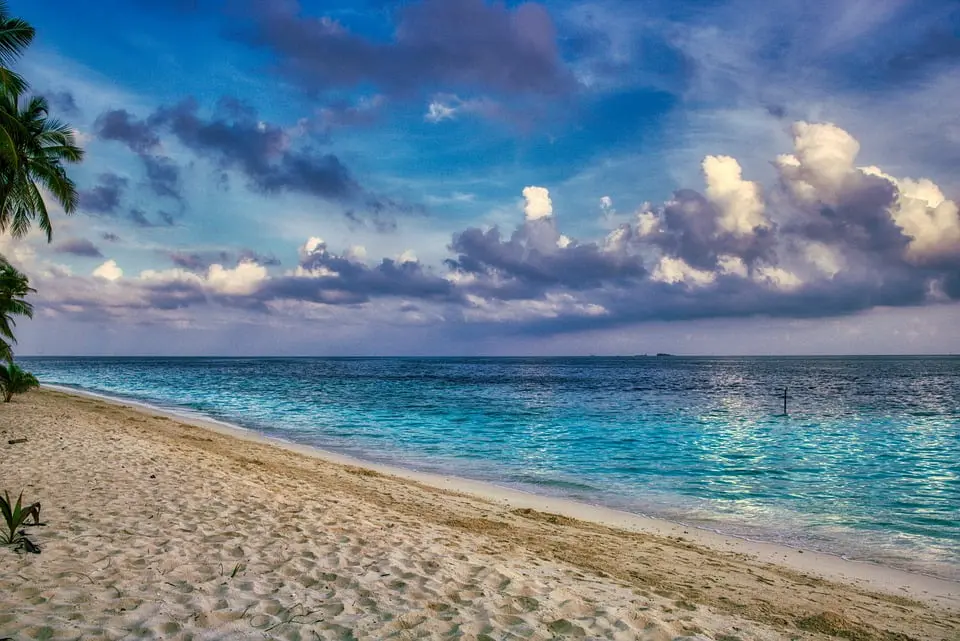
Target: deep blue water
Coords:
[(866, 464)]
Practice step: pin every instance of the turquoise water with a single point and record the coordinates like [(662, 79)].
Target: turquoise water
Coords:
[(866, 464)]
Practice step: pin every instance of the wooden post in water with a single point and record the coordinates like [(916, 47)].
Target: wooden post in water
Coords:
[(784, 401)]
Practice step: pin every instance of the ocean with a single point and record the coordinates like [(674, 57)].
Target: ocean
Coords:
[(866, 463)]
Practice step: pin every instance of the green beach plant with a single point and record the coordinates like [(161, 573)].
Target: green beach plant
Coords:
[(15, 380), (15, 517)]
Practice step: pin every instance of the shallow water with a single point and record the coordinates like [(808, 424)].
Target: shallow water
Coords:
[(866, 464)]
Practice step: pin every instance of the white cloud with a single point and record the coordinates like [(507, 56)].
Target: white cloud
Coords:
[(821, 164), (553, 305), (242, 280), (676, 270), (739, 201), (777, 277), (438, 112), (924, 213), (449, 107), (408, 256), (356, 253), (108, 271), (313, 244), (647, 221), (824, 258), (732, 266), (170, 276), (538, 204)]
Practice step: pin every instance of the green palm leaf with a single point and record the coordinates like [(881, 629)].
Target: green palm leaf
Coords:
[(34, 148)]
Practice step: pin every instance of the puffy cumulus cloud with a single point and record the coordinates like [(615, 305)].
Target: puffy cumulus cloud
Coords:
[(863, 207), (822, 161), (925, 215), (537, 203), (739, 201), (242, 280), (108, 271), (830, 238)]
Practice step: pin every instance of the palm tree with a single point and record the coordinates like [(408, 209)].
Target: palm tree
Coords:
[(14, 286), (15, 36), (33, 157), (15, 380)]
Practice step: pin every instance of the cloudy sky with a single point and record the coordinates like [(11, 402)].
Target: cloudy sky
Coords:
[(473, 177)]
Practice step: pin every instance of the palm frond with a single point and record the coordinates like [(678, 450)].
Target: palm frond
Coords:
[(15, 36), (33, 150)]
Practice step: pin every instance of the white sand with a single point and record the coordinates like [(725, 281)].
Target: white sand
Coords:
[(159, 529)]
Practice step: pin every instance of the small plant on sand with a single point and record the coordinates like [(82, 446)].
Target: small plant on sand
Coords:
[(15, 380), (15, 517)]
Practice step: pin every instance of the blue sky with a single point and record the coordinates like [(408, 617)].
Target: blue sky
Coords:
[(473, 177)]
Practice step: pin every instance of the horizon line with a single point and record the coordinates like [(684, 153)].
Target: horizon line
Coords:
[(514, 356)]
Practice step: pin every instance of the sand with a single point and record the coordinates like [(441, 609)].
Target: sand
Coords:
[(158, 528)]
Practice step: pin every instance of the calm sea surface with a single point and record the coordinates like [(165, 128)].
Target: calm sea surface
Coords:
[(866, 464)]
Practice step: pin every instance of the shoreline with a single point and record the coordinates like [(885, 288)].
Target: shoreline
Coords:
[(832, 567), (162, 527)]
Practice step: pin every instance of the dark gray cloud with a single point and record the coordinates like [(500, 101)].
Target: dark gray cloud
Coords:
[(142, 138), (860, 220), (121, 126), (140, 218), (197, 261), (341, 280), (105, 197), (163, 176), (78, 247), (63, 103), (249, 255), (437, 44), (690, 230), (530, 262), (272, 159), (200, 261), (235, 138), (343, 113), (377, 220)]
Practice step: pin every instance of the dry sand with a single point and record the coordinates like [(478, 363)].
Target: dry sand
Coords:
[(156, 528)]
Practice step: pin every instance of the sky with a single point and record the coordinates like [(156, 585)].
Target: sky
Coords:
[(468, 177)]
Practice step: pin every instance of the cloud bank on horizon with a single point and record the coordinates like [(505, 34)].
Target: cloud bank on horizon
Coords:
[(469, 176)]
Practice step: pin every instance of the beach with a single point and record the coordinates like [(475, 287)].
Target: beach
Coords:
[(157, 527)]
